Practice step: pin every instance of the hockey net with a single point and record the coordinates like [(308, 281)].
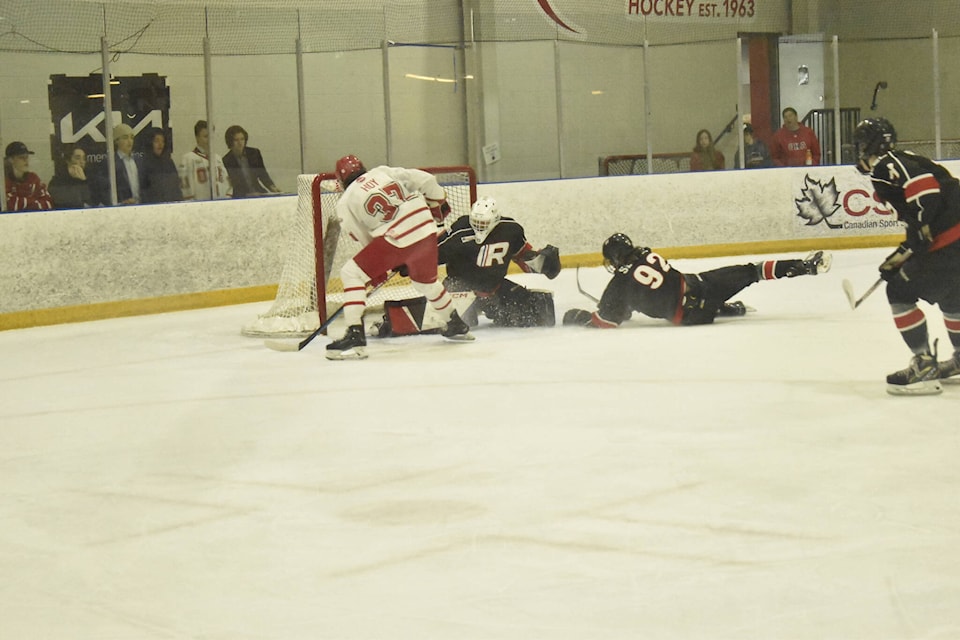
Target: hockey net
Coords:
[(314, 256)]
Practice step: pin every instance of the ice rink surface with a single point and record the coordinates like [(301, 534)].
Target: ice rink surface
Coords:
[(162, 477)]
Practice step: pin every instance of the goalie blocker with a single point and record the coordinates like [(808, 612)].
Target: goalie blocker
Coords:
[(515, 306)]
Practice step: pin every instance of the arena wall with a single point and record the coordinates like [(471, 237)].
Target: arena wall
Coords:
[(67, 266)]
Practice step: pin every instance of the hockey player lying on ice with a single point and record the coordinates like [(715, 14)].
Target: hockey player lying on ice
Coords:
[(644, 281)]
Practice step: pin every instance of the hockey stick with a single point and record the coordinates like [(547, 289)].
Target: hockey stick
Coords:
[(286, 345), (854, 301), (595, 299)]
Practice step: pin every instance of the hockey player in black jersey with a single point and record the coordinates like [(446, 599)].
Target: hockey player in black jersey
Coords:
[(477, 252), (644, 281), (926, 265)]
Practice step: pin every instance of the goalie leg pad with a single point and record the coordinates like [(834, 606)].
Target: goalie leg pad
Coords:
[(404, 317), (414, 316), (518, 306)]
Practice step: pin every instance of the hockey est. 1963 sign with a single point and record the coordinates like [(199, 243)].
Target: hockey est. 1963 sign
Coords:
[(653, 9)]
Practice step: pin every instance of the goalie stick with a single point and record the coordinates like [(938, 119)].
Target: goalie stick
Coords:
[(595, 299), (854, 301), (286, 345)]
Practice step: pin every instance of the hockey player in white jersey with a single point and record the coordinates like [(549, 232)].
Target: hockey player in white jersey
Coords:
[(196, 171), (393, 213)]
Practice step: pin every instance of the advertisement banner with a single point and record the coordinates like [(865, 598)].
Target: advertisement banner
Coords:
[(77, 112)]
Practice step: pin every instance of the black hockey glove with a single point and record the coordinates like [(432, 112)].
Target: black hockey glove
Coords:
[(551, 261), (579, 317), (892, 268)]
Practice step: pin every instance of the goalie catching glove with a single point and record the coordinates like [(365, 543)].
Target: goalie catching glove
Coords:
[(545, 261)]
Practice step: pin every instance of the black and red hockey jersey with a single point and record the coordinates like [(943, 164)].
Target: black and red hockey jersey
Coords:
[(648, 284), (482, 267), (924, 194)]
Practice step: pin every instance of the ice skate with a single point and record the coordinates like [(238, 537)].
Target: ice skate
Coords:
[(352, 346), (735, 308), (817, 262), (457, 329), (921, 378), (949, 370)]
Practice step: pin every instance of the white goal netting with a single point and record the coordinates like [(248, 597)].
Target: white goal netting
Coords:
[(314, 257)]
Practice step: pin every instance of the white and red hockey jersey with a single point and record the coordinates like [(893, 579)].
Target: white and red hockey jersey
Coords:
[(195, 177), (390, 202)]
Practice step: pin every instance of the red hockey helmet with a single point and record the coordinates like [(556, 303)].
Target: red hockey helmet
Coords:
[(349, 168)]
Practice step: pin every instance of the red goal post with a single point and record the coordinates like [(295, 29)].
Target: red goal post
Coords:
[(314, 256)]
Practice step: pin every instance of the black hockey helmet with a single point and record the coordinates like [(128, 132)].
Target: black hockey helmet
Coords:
[(873, 137), (616, 251)]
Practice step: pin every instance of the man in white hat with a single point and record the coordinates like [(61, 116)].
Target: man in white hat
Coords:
[(129, 171)]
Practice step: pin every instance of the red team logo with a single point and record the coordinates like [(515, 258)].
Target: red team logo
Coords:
[(547, 9)]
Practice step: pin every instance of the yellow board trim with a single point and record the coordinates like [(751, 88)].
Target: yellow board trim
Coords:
[(225, 297)]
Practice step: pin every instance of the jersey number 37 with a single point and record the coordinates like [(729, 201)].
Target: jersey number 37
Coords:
[(383, 204)]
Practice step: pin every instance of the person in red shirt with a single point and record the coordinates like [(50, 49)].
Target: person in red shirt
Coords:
[(24, 189), (794, 144)]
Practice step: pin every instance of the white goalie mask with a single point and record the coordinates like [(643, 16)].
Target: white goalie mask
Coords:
[(484, 217)]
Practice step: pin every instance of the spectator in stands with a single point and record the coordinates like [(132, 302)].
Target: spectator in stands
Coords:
[(128, 170), (196, 168), (705, 156), (248, 175), (794, 144), (24, 189), (69, 186), (161, 180), (754, 150)]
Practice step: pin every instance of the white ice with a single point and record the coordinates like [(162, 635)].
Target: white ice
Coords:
[(163, 477)]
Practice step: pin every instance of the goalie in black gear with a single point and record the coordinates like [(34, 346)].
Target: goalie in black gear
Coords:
[(477, 252), (644, 281)]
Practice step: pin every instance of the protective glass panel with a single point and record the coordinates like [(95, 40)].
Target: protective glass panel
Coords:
[(703, 98), (427, 105), (602, 107)]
